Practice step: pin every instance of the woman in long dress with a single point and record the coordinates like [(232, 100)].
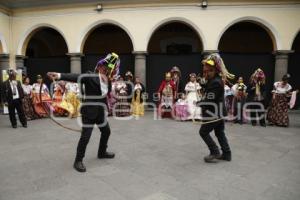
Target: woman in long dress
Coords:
[(27, 100), (181, 108), (122, 106), (40, 105), (278, 110), (193, 95), (71, 98), (137, 104)]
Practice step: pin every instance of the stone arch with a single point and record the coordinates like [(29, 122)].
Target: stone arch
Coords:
[(23, 43), (272, 32), (181, 20), (90, 28)]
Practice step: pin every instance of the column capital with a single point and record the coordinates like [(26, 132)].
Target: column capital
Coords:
[(75, 54), (205, 53), (140, 52), (4, 55), (21, 57), (283, 52)]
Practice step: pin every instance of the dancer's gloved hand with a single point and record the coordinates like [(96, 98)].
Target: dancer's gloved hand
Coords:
[(53, 75)]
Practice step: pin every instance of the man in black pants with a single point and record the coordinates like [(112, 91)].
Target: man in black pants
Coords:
[(213, 108), (93, 110), (12, 96)]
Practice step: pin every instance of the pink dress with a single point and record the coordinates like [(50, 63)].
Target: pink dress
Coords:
[(181, 110)]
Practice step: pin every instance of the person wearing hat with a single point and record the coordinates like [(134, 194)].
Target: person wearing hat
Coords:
[(257, 95), (213, 108), (129, 85), (176, 78), (192, 89), (12, 96), (94, 105), (278, 111), (39, 89), (166, 96), (240, 93)]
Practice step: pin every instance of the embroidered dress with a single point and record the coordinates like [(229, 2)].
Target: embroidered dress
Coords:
[(27, 103), (278, 110), (192, 90), (137, 100), (40, 106)]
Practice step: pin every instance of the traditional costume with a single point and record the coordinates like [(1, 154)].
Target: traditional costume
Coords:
[(93, 110), (278, 110), (122, 106), (40, 105), (182, 109), (257, 96), (213, 109), (57, 98), (166, 93), (129, 85), (27, 102), (71, 97), (176, 78), (228, 94), (240, 93), (193, 95), (137, 99)]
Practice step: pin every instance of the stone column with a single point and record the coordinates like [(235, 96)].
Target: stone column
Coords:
[(4, 61), (75, 62), (140, 65), (20, 61), (4, 64), (281, 63)]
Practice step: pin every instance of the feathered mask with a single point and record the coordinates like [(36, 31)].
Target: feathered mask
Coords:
[(111, 62), (216, 61), (258, 76)]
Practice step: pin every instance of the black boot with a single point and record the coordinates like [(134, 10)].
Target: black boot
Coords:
[(212, 158), (108, 155), (225, 156), (79, 166)]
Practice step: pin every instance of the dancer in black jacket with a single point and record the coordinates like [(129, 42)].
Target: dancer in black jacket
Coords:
[(213, 108), (93, 110)]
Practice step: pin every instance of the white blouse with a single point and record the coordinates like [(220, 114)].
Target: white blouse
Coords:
[(192, 87), (72, 87), (137, 87), (36, 88), (27, 89), (280, 89)]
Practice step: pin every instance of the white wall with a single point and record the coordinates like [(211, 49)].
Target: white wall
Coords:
[(281, 21)]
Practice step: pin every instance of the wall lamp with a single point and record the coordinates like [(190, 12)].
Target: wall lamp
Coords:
[(99, 8), (204, 4)]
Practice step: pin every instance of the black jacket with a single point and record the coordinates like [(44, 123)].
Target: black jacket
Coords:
[(91, 93), (213, 101), (251, 92), (7, 91)]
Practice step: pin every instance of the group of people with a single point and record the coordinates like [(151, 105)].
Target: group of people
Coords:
[(180, 102), (36, 101), (203, 97), (126, 96)]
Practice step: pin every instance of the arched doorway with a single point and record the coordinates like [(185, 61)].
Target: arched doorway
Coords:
[(104, 39), (46, 51), (172, 44), (294, 67), (246, 46)]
